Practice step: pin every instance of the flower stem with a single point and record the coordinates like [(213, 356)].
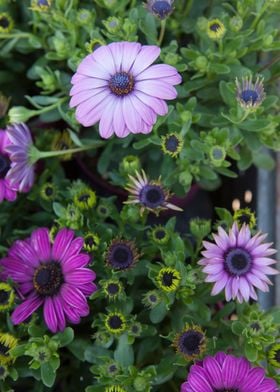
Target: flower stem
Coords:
[(162, 31), (259, 14)]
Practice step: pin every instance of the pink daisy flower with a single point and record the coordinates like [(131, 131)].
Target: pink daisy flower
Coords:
[(7, 190), (52, 276), (227, 373), (238, 263), (118, 86)]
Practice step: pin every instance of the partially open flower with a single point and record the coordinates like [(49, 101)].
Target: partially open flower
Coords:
[(172, 144), (160, 8), (112, 289), (121, 254), (115, 323), (7, 296), (159, 235), (91, 242), (48, 191), (274, 355), (7, 342), (149, 194), (250, 95), (40, 5), (245, 215), (62, 141), (168, 279), (190, 342), (115, 388), (6, 23), (151, 299), (85, 199), (216, 29)]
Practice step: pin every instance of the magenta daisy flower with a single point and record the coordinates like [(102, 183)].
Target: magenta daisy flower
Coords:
[(7, 191), (227, 373), (118, 86), (52, 276), (22, 170), (238, 262)]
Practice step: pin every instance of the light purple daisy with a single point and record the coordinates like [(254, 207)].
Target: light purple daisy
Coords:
[(118, 86), (227, 373), (7, 190), (238, 263), (52, 276), (21, 172)]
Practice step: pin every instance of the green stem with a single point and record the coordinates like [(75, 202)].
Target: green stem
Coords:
[(15, 35), (162, 31), (221, 47), (51, 107), (243, 118), (188, 7)]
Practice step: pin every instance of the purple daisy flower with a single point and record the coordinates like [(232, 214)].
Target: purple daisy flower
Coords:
[(50, 275), (7, 191), (238, 262), (227, 373), (22, 170), (118, 86)]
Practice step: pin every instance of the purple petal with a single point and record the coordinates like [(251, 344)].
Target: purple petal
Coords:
[(156, 88), (21, 250), (132, 118), (74, 249), (130, 52), (147, 55), (230, 372), (58, 307), (40, 242), (117, 52), (91, 68), (159, 71), (76, 261), (158, 105), (106, 121), (97, 85), (92, 104), (62, 242), (80, 276), (24, 310), (103, 56), (148, 115), (254, 378), (73, 296), (214, 373), (83, 96), (50, 315), (96, 113), (219, 286)]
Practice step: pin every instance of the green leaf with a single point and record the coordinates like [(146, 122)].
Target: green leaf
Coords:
[(251, 352), (64, 338), (58, 209), (219, 68), (255, 125), (237, 328), (124, 353), (158, 313), (227, 92), (263, 161), (47, 374)]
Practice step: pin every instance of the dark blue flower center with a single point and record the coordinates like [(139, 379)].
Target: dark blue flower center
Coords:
[(4, 22), (153, 298), (5, 165), (215, 27), (43, 2), (162, 8), (238, 261), (277, 356), (172, 143), (115, 322), (113, 288), (168, 279), (121, 83), (189, 342), (249, 96), (152, 196), (48, 278), (120, 256), (160, 234), (4, 297)]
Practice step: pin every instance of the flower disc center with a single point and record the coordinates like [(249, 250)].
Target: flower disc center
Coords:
[(172, 143), (168, 278), (249, 96), (121, 83), (152, 196), (215, 27), (48, 278), (190, 341), (4, 297), (162, 8), (4, 22), (4, 166), (238, 261), (115, 322)]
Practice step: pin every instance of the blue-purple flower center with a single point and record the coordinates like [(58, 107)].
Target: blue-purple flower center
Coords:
[(189, 342), (238, 261), (113, 288), (43, 2), (249, 96), (122, 83), (162, 8), (120, 256), (4, 349), (48, 279), (152, 196), (215, 27), (5, 165), (172, 143), (4, 22), (4, 297), (115, 322)]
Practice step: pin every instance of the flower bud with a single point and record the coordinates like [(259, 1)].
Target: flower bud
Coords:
[(18, 114)]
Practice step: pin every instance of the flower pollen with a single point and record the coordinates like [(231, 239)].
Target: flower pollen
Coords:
[(121, 83)]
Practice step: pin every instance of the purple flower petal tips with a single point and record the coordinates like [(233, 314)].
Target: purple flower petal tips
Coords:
[(117, 86), (53, 276)]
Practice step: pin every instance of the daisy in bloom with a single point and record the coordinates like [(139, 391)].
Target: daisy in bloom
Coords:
[(7, 190), (53, 276), (118, 86), (238, 262), (227, 373), (21, 171), (149, 194)]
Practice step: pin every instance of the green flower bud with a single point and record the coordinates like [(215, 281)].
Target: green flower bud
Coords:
[(235, 23), (48, 79), (185, 178), (140, 384), (217, 155), (130, 213), (171, 58), (61, 45), (130, 164), (200, 228), (84, 16), (112, 24), (186, 116), (267, 41), (18, 114), (201, 63)]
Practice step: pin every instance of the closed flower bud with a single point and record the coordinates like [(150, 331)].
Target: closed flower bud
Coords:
[(19, 114), (235, 23), (129, 164)]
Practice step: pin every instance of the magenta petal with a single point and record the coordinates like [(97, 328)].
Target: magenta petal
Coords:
[(80, 276), (24, 252), (62, 242), (230, 372), (87, 289), (50, 315), (40, 242), (58, 306), (24, 310), (214, 373), (73, 296), (76, 261), (74, 249), (72, 314), (254, 377), (199, 383)]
